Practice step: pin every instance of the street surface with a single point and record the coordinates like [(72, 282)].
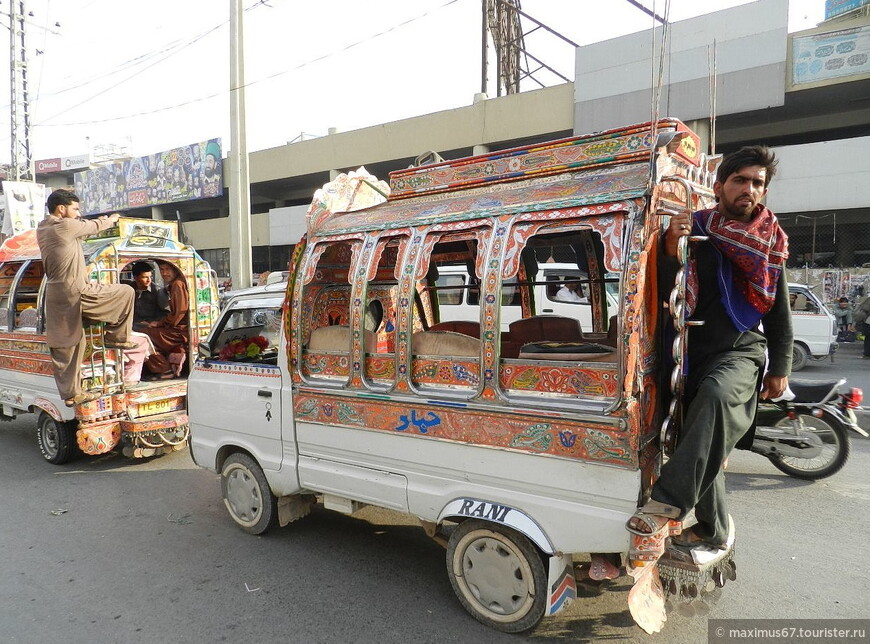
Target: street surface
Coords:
[(115, 550)]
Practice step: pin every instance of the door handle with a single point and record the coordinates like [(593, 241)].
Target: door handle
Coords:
[(264, 393), (548, 310)]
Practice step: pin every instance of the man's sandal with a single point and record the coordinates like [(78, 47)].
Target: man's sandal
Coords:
[(82, 398), (643, 524), (121, 345), (689, 539)]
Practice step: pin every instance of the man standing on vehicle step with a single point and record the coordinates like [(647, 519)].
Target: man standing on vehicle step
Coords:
[(70, 299), (737, 286)]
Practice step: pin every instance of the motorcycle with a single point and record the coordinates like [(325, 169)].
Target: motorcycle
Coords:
[(805, 433)]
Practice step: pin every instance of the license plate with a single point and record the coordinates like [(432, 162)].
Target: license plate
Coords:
[(158, 407)]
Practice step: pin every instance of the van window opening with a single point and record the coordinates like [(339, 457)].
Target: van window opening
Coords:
[(325, 321), (380, 312), (445, 345), (567, 318)]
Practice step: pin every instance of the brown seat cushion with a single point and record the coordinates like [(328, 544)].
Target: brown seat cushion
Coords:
[(444, 343), (337, 338), (553, 328), (465, 327)]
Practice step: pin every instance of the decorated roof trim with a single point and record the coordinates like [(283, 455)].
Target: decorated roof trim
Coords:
[(628, 144), (589, 187)]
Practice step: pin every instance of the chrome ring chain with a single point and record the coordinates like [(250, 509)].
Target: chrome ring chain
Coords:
[(677, 307)]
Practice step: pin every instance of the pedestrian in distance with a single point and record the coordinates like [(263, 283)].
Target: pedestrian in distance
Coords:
[(861, 320), (843, 313)]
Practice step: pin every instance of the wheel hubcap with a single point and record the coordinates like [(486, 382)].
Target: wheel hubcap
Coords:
[(498, 579), (243, 495), (49, 437)]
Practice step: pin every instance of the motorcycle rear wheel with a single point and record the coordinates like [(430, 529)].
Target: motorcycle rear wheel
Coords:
[(835, 451)]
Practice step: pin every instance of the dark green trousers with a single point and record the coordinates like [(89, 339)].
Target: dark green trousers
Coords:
[(721, 407)]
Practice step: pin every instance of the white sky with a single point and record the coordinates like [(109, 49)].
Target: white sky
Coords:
[(159, 78)]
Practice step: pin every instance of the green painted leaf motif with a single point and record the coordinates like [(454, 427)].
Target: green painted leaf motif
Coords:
[(537, 438), (599, 444), (347, 414), (307, 409)]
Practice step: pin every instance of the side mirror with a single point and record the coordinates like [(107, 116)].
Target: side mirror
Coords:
[(203, 350)]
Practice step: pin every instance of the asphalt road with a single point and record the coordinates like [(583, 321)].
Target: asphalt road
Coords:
[(114, 550)]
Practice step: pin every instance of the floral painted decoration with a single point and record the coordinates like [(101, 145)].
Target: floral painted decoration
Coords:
[(245, 348)]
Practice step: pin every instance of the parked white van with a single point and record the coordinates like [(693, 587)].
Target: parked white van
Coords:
[(560, 288), (815, 328)]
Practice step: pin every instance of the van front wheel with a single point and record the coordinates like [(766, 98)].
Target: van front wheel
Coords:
[(498, 575), (247, 495)]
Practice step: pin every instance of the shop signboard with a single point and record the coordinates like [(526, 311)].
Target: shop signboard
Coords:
[(830, 55), (834, 8)]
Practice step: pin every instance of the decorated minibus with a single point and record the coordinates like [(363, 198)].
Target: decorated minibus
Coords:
[(522, 448), (142, 419)]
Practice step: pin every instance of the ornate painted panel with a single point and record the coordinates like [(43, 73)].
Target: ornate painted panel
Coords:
[(326, 365), (455, 372), (523, 432), (623, 145), (600, 381)]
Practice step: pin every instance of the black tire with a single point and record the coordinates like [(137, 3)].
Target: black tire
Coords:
[(799, 357), (834, 455), (57, 440), (498, 575), (247, 495)]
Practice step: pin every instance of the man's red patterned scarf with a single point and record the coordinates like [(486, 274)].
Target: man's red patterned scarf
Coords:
[(756, 252)]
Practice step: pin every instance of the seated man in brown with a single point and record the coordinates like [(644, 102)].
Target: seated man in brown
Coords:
[(170, 335)]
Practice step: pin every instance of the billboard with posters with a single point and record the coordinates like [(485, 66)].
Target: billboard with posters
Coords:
[(832, 54), (25, 206), (190, 172)]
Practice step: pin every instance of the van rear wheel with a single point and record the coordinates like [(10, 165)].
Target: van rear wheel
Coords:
[(57, 439), (247, 494), (498, 575), (799, 358)]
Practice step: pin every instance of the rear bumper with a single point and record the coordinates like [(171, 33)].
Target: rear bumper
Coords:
[(155, 424)]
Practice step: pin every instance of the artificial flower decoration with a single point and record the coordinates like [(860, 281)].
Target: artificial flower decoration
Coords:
[(244, 349)]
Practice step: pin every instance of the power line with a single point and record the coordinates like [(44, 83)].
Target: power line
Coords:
[(172, 47), (249, 84), (131, 76)]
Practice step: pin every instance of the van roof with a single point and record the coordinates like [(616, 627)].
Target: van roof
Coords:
[(614, 185), (611, 167), (156, 236)]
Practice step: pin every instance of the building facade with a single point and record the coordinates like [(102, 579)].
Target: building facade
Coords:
[(807, 94)]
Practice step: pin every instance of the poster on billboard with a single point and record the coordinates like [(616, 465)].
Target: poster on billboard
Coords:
[(182, 174), (25, 206), (833, 54)]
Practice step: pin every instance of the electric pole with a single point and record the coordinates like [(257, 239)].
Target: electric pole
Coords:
[(22, 158), (240, 185)]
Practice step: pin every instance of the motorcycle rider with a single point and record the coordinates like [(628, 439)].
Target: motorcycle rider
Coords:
[(737, 285)]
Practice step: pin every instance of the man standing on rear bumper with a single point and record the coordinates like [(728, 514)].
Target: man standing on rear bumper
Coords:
[(737, 286), (70, 299)]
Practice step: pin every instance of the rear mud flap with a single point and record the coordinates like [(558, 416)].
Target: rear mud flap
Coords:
[(561, 585)]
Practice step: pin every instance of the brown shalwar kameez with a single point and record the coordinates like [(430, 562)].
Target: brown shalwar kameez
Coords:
[(70, 299), (170, 335)]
